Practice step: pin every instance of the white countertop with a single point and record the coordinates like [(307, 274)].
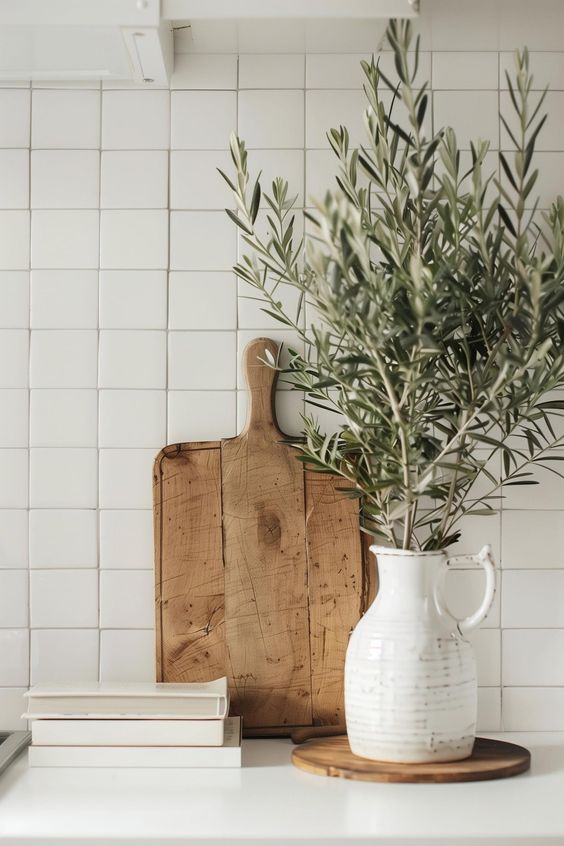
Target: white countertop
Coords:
[(268, 801)]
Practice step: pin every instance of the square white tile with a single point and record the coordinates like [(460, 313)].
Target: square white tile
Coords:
[(533, 539), (202, 360), (533, 657), (64, 299), (127, 599), (202, 240), (13, 478), (134, 179), (252, 307), (13, 538), (64, 418), (190, 132), (520, 24), (65, 179), (14, 240), (201, 415), (14, 418), (13, 599), (126, 540), (271, 164), (132, 418), (14, 179), (532, 599), (533, 709), (204, 71), (132, 359), (135, 120), (550, 137), (127, 656), (204, 300), (66, 120), (14, 358), (477, 531), (14, 299), (63, 478), (64, 599), (344, 70), (289, 407), (63, 538), (328, 109), (284, 70), (60, 656), (472, 115), (133, 299), (487, 648), (64, 239), (14, 118), (12, 704), (461, 70), (489, 709), (455, 26), (548, 69), (545, 495), (14, 657), (195, 182), (271, 119), (134, 239), (65, 358), (126, 478)]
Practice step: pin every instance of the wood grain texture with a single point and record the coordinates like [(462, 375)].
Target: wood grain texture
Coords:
[(490, 759), (266, 601), (261, 571)]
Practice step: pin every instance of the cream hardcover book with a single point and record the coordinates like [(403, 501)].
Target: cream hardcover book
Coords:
[(126, 732)]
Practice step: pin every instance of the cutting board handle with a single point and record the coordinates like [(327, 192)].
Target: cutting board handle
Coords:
[(261, 381)]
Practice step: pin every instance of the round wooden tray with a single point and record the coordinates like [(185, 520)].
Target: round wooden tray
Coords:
[(332, 756)]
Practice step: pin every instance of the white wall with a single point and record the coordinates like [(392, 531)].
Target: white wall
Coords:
[(112, 227)]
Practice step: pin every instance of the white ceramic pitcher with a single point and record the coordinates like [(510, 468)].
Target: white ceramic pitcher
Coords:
[(410, 674)]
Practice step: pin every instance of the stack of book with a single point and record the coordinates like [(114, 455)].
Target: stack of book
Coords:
[(133, 725)]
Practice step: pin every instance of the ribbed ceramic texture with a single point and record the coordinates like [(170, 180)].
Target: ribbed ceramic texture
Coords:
[(410, 677)]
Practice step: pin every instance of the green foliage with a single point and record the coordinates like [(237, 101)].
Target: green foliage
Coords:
[(438, 308)]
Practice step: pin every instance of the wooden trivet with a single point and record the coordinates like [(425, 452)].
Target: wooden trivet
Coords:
[(332, 756)]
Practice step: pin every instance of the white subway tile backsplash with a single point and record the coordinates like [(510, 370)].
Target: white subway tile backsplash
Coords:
[(63, 538), (533, 599), (64, 656), (14, 118), (64, 599), (14, 240), (126, 478), (265, 70), (133, 299), (134, 179), (12, 705), (14, 419), (14, 657), (459, 70), (288, 164), (334, 71), (134, 239), (63, 478), (550, 137), (13, 538), (64, 299), (328, 109), (127, 656), (537, 27), (457, 26), (489, 709), (545, 495), (132, 418), (202, 360), (195, 182), (132, 359), (271, 119), (14, 358), (65, 179), (13, 478), (189, 131), (533, 657), (472, 114), (202, 240), (135, 120), (13, 599), (532, 539), (533, 708), (202, 300), (201, 415), (64, 239), (64, 418), (127, 599), (64, 358), (14, 179), (14, 299), (204, 71), (66, 120), (487, 647), (547, 69), (126, 540)]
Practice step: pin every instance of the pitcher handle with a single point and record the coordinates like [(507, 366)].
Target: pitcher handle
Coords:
[(484, 559)]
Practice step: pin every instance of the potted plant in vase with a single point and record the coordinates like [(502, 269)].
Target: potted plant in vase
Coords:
[(434, 326)]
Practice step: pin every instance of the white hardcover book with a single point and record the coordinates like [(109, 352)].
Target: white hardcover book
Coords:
[(227, 755), (127, 732), (131, 701)]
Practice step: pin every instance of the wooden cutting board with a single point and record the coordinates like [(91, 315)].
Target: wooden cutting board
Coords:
[(260, 570)]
